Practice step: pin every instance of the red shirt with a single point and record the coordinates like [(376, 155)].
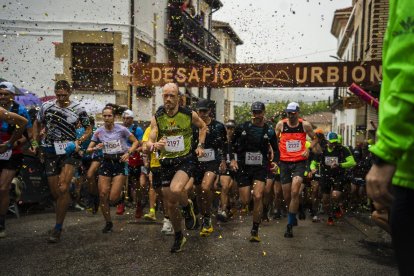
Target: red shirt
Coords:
[(292, 142)]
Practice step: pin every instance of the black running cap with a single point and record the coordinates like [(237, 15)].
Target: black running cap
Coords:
[(258, 106), (203, 104)]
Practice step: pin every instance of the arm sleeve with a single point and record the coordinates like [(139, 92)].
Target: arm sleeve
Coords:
[(349, 159), (313, 165)]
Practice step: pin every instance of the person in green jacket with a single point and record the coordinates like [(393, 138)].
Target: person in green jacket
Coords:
[(332, 164), (394, 149)]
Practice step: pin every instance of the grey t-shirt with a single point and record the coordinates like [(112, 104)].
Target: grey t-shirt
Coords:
[(114, 140)]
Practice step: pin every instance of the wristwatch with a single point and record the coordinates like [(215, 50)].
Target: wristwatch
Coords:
[(200, 145), (9, 145)]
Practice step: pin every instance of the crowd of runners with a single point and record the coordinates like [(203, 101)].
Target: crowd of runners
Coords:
[(186, 165)]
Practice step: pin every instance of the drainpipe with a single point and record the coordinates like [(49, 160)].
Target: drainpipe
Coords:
[(131, 47), (154, 34)]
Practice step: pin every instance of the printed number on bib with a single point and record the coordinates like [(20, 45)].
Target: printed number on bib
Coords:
[(112, 147), (6, 155), (293, 146), (60, 147), (175, 143), (207, 156), (329, 161), (254, 158)]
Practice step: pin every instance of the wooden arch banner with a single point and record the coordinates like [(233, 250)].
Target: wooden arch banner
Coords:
[(322, 74)]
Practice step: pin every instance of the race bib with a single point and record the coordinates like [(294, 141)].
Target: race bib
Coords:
[(175, 143), (112, 147), (6, 155), (208, 155), (293, 146), (329, 161), (60, 147), (254, 158)]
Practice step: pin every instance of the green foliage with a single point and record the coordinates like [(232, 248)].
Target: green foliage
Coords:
[(242, 112)]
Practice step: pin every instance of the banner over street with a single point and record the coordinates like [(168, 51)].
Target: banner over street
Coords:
[(321, 74)]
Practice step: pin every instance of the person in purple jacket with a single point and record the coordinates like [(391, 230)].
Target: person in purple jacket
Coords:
[(112, 139)]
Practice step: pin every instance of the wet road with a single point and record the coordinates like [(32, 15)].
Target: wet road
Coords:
[(138, 248)]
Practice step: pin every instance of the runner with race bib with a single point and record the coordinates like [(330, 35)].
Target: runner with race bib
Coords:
[(56, 125), (293, 155), (171, 134), (112, 139), (12, 126), (250, 147), (333, 161), (210, 164)]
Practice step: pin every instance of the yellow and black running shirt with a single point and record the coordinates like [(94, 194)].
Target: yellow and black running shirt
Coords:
[(176, 130)]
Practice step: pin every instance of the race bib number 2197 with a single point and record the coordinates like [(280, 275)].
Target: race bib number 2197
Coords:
[(175, 143)]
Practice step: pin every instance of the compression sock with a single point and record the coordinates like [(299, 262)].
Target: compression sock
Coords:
[(58, 226), (255, 226), (291, 218)]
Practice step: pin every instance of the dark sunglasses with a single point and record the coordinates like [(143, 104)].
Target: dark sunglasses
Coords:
[(257, 111)]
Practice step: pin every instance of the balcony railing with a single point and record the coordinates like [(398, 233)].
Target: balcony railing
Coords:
[(183, 29)]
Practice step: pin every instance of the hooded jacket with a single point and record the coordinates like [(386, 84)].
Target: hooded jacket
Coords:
[(395, 143)]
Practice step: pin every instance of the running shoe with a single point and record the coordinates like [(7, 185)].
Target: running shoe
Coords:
[(289, 231), (54, 236), (150, 216), (316, 219), (120, 209), (178, 244), (189, 216), (330, 221), (79, 207), (138, 211), (254, 236), (302, 214), (277, 215), (265, 215), (222, 216), (95, 207), (245, 210), (167, 228), (339, 213), (108, 227), (2, 232), (206, 227)]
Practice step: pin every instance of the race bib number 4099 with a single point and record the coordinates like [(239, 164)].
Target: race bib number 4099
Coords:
[(175, 143)]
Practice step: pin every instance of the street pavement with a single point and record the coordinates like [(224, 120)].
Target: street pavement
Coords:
[(137, 247)]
